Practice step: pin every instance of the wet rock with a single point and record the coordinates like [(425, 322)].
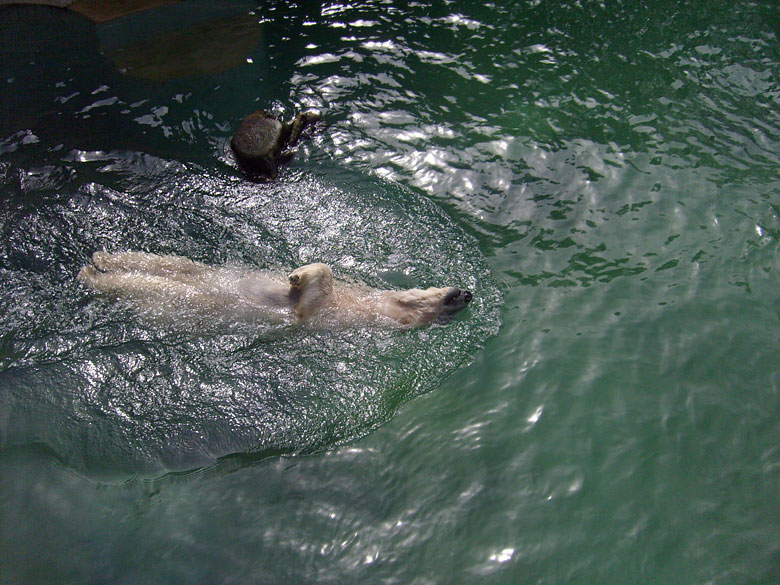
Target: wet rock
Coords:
[(262, 142)]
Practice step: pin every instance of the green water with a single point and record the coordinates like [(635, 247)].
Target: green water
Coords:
[(603, 176)]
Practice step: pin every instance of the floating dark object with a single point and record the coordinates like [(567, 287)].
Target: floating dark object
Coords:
[(262, 142)]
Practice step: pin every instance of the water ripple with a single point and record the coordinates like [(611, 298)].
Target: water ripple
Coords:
[(124, 394)]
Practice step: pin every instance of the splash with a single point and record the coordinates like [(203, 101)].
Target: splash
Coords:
[(109, 392)]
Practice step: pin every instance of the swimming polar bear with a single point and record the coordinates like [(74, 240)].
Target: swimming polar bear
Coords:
[(308, 294)]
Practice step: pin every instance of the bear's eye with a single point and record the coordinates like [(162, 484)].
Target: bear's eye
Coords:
[(452, 296)]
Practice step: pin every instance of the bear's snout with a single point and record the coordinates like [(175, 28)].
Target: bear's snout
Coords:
[(457, 297)]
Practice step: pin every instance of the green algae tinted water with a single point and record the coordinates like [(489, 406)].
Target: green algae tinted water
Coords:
[(603, 176)]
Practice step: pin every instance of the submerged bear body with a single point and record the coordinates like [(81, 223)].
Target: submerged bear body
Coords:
[(309, 293)]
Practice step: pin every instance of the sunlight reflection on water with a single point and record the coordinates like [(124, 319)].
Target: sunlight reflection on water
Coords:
[(174, 395), (619, 173)]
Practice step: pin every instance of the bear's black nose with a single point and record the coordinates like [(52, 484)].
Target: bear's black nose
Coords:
[(457, 297)]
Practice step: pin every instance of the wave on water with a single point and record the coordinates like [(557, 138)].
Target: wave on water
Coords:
[(111, 393)]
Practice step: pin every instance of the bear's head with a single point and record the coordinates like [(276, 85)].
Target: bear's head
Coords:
[(417, 307)]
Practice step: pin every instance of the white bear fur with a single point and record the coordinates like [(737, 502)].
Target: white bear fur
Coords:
[(309, 293)]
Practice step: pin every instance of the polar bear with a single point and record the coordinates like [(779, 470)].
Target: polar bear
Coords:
[(308, 294)]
